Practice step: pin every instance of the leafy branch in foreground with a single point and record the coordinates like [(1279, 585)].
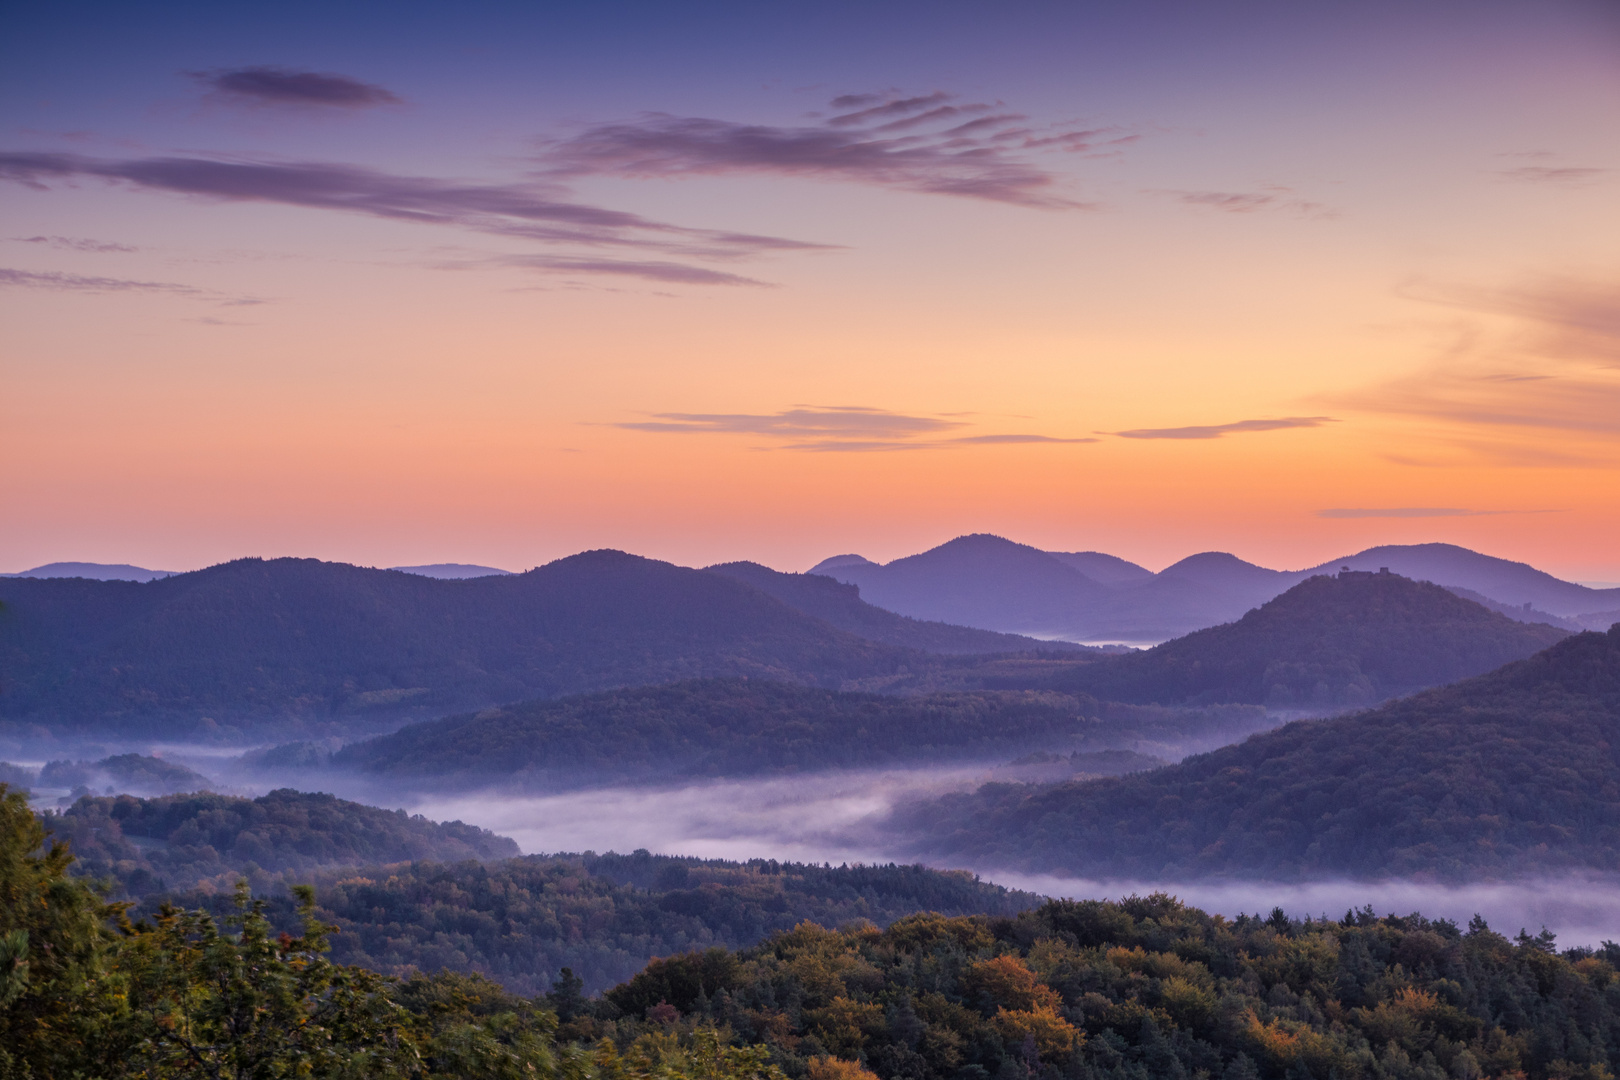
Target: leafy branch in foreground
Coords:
[(86, 993)]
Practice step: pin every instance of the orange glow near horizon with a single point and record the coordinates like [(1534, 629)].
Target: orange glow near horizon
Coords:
[(1419, 276)]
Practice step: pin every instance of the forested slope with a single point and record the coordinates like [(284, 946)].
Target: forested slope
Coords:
[(1344, 640), (178, 841), (1148, 989), (520, 921), (715, 727), (256, 641), (1507, 774)]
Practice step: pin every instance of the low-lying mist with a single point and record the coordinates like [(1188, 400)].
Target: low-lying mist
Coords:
[(1581, 911), (837, 817), (822, 817)]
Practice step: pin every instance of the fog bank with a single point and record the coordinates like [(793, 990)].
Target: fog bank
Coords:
[(1580, 910), (837, 817), (822, 817)]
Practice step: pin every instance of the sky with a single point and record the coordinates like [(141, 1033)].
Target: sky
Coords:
[(499, 282)]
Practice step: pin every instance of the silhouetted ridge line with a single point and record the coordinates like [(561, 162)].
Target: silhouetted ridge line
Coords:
[(303, 641), (841, 605), (1330, 641), (1508, 774)]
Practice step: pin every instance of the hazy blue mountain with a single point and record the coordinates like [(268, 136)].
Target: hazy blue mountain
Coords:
[(134, 774), (1511, 583), (452, 571), (1525, 613), (842, 606), (839, 561), (983, 581), (988, 582), (1219, 570), (1332, 640), (1102, 568), (1506, 774), (93, 571), (301, 640), (1598, 620)]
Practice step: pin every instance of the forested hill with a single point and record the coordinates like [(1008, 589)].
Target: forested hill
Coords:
[(179, 841), (1148, 989), (842, 606), (1350, 639), (716, 727), (255, 640), (604, 916), (1503, 775)]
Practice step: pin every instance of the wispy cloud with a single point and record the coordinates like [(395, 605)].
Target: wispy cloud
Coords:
[(65, 282), (1542, 174), (71, 243), (81, 283), (843, 429), (928, 143), (1249, 202), (1409, 512), (1009, 440), (534, 212), (841, 420), (288, 86), (672, 272), (1216, 431), (1544, 356)]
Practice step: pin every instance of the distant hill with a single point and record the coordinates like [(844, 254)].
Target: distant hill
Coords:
[(841, 605), (1598, 620), (1525, 613), (980, 580), (135, 774), (1350, 639), (451, 571), (1507, 774), (177, 842), (283, 640), (1103, 569), (717, 727), (94, 572), (604, 916), (1511, 583), (995, 584)]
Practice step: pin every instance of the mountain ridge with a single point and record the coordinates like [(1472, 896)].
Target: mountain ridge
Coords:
[(296, 640), (1501, 775), (1198, 591)]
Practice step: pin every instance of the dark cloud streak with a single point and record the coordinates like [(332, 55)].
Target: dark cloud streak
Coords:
[(69, 243), (286, 86), (530, 212), (52, 279), (1216, 431), (1540, 174), (847, 429), (973, 158)]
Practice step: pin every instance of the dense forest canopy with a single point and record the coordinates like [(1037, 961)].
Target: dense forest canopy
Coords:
[(1142, 989), (1345, 640), (520, 921), (1149, 988), (179, 841), (87, 992), (1503, 775)]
